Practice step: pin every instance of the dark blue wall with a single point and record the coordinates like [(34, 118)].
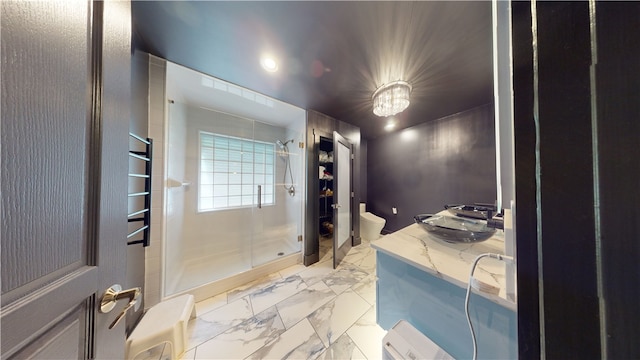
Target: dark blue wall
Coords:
[(420, 169)]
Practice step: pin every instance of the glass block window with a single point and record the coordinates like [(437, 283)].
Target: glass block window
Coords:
[(231, 169)]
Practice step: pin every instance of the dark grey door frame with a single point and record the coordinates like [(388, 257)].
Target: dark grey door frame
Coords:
[(576, 127)]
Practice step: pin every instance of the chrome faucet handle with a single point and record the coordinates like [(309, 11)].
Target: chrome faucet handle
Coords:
[(487, 205)]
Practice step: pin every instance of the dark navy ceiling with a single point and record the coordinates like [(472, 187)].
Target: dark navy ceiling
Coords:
[(333, 55)]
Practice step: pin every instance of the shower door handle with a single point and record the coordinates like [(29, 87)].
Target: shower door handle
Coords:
[(259, 196)]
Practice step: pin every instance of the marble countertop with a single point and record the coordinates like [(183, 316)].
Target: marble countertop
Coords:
[(450, 262)]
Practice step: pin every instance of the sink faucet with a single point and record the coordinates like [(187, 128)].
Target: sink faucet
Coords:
[(491, 222)]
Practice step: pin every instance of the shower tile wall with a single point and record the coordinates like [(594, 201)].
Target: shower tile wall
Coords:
[(153, 253)]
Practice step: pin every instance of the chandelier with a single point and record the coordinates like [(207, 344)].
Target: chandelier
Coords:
[(391, 98)]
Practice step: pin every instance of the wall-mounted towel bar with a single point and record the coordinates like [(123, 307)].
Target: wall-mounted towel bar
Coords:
[(173, 183), (143, 215)]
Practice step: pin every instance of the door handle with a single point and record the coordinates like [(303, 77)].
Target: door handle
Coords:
[(259, 196), (335, 206), (115, 293)]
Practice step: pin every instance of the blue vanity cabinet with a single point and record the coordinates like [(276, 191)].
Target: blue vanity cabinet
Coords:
[(436, 308)]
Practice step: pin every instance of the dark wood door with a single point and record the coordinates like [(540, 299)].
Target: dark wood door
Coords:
[(343, 190), (65, 118)]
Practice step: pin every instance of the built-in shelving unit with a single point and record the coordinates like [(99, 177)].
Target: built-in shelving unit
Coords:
[(325, 184), (320, 135)]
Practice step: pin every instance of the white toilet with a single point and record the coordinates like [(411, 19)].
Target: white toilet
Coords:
[(370, 225)]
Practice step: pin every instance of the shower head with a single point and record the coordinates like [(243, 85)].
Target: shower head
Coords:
[(282, 145)]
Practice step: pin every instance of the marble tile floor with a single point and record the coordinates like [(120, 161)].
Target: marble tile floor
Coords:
[(300, 312), (326, 245)]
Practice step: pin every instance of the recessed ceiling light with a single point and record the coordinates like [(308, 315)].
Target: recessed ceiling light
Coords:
[(390, 126), (269, 63)]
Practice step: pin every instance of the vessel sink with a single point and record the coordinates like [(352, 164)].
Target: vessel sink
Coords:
[(454, 229), (468, 211)]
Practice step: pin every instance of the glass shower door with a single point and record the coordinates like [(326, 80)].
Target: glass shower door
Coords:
[(278, 168), (232, 201), (208, 202)]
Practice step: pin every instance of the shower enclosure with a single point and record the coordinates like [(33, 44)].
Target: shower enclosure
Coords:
[(233, 202)]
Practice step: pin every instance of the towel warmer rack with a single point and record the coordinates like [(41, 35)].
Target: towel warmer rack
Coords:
[(143, 215)]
